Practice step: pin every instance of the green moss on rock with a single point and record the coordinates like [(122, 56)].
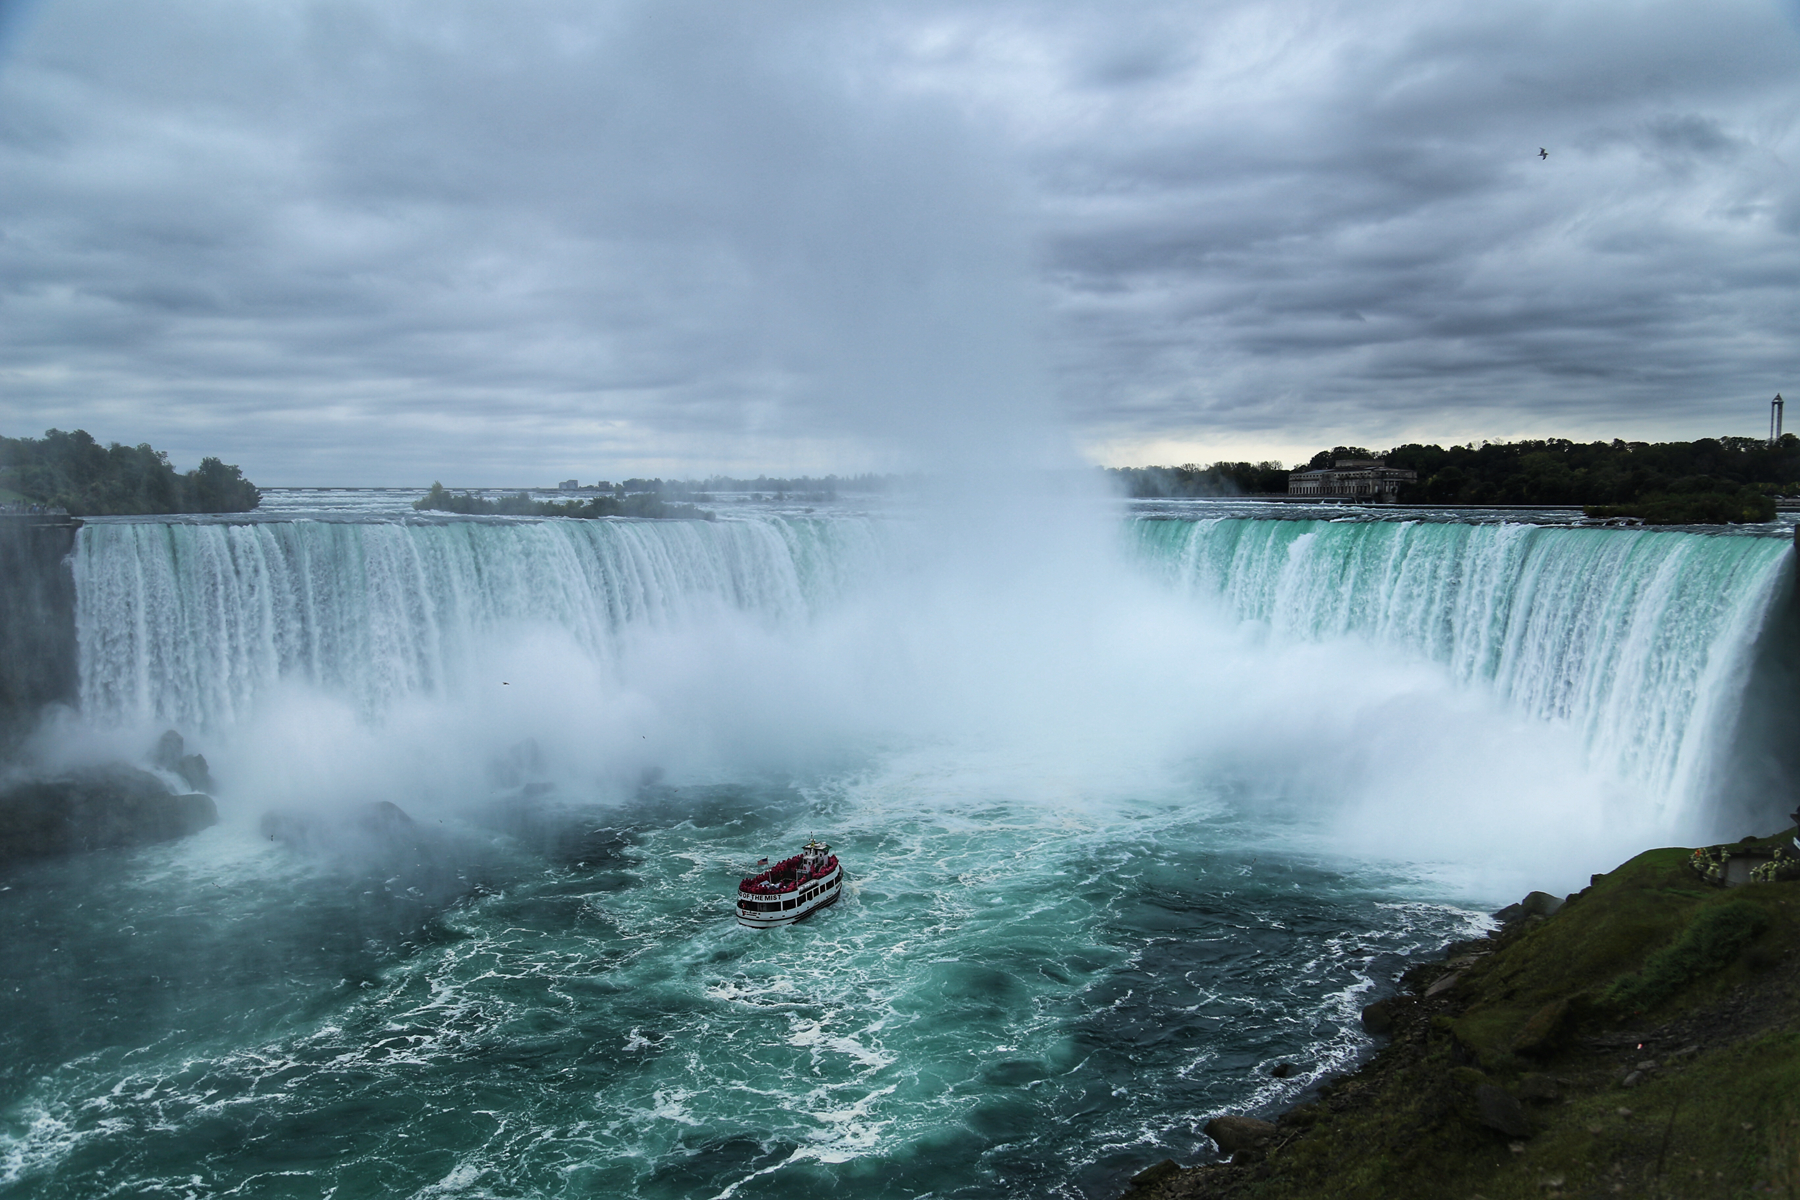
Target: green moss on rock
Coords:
[(1643, 1040)]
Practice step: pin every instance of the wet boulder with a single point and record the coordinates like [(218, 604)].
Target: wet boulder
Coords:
[(379, 829), (96, 808), (1443, 985), (1239, 1133), (1163, 1172), (171, 755), (1541, 904), (378, 838), (1536, 904)]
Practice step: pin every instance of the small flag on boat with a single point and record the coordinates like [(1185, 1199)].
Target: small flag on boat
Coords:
[(762, 862)]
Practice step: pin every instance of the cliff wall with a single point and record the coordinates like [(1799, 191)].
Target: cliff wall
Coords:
[(37, 619)]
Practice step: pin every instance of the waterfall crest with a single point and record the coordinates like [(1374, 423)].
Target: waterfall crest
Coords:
[(1641, 639), (189, 623)]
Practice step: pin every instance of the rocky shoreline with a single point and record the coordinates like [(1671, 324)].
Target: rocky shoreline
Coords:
[(1640, 1039)]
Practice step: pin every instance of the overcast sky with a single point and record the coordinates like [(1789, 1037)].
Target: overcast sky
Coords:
[(385, 242)]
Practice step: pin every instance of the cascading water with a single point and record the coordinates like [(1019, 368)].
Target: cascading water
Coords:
[(1639, 639), (190, 623), (1089, 904)]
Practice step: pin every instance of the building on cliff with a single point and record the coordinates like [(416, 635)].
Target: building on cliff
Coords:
[(1361, 478)]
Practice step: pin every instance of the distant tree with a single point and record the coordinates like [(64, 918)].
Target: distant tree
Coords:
[(1190, 479), (217, 487), (1724, 479), (642, 504), (1325, 458), (1602, 474), (73, 471)]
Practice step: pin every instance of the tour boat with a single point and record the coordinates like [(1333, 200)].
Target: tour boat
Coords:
[(791, 889)]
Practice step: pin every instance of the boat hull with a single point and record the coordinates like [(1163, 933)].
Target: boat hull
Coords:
[(754, 911)]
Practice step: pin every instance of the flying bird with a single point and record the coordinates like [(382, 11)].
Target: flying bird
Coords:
[(1543, 153)]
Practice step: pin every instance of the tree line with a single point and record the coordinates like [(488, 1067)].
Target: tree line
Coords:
[(800, 487), (74, 472), (638, 504), (1724, 479), (1719, 479), (1189, 480)]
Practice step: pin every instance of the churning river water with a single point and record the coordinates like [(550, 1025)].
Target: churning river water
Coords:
[(1125, 827)]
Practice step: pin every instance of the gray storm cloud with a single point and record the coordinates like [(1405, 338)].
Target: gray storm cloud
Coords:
[(1336, 217), (349, 242)]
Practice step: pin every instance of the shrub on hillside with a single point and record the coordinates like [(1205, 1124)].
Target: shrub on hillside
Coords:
[(1711, 942)]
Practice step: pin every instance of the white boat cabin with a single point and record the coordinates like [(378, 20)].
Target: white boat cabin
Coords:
[(794, 888)]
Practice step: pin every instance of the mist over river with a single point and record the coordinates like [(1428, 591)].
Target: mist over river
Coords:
[(1135, 803)]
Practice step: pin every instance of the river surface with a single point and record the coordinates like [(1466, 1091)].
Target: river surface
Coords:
[(1126, 824)]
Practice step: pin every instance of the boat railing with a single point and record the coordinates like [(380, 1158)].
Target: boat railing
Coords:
[(749, 888), (767, 879)]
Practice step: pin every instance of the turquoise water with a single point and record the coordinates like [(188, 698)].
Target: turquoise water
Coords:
[(1126, 825), (1011, 1000)]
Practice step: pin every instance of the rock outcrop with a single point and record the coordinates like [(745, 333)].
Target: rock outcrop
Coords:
[(37, 620), (170, 755), (1239, 1133), (380, 828), (95, 809)]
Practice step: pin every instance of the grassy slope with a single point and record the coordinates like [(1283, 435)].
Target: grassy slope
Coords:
[(1719, 1116)]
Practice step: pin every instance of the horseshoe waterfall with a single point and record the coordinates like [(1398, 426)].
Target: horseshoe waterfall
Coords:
[(1133, 807)]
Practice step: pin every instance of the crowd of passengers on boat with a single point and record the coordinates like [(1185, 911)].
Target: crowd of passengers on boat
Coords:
[(790, 884)]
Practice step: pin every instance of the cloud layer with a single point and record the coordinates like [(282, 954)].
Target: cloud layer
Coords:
[(353, 242)]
